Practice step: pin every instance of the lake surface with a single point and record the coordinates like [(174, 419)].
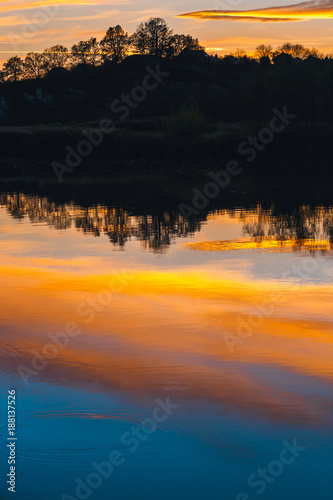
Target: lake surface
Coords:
[(195, 355)]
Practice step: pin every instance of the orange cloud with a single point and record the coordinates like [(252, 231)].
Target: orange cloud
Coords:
[(12, 21), (295, 12), (10, 7)]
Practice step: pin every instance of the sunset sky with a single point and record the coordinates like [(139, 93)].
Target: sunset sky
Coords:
[(34, 25)]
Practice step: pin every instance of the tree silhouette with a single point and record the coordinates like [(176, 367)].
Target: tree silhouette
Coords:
[(263, 51), (294, 50), (55, 57), (34, 65), (115, 44), (13, 69), (180, 42), (241, 55), (152, 37), (85, 52)]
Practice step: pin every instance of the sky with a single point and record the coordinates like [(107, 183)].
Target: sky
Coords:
[(27, 25)]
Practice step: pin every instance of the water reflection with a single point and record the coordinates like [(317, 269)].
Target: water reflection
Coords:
[(156, 232), (300, 225), (246, 356), (304, 226)]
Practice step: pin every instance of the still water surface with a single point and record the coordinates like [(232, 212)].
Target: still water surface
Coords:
[(228, 318)]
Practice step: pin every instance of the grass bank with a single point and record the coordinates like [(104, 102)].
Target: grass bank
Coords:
[(188, 139)]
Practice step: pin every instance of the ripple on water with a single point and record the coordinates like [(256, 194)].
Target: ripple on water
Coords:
[(171, 386), (65, 445)]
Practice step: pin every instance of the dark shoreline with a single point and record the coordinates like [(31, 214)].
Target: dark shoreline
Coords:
[(155, 186), (37, 147)]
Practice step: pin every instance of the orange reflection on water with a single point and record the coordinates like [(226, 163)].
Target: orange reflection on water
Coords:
[(163, 327), (269, 244)]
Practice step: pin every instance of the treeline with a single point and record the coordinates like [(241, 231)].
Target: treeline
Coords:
[(265, 53), (204, 108), (153, 37)]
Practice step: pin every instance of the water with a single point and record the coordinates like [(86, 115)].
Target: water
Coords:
[(110, 312)]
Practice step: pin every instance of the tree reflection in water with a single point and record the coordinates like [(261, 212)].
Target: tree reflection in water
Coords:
[(157, 231), (304, 224)]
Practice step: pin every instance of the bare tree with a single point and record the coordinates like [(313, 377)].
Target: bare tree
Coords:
[(55, 57), (115, 44), (241, 55), (180, 42), (152, 37), (85, 52), (34, 65), (13, 69), (263, 51), (294, 50), (315, 53)]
